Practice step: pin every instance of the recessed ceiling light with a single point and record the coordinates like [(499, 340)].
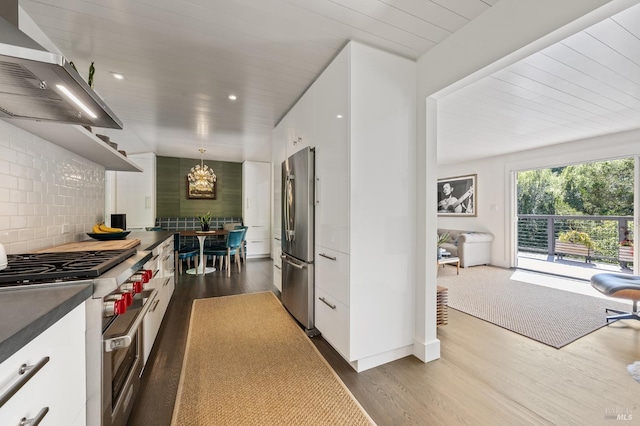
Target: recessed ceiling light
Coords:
[(233, 97), (117, 76), (339, 116)]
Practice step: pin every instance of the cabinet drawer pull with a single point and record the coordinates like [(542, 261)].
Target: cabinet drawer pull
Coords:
[(155, 305), (277, 239), (26, 372), (327, 303), (169, 256), (327, 256), (166, 282), (155, 273), (277, 266), (36, 420)]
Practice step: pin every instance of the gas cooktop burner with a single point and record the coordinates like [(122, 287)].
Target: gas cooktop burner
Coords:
[(56, 267)]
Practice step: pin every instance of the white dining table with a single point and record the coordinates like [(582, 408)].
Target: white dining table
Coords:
[(202, 269)]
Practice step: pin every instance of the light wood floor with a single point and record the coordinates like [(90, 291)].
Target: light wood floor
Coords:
[(486, 375)]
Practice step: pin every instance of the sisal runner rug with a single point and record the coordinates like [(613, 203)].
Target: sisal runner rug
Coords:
[(553, 317), (248, 363)]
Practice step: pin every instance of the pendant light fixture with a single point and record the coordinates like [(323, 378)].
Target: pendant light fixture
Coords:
[(201, 177)]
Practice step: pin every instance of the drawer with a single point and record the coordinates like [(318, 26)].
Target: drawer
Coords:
[(153, 319), (167, 264), (59, 384), (332, 319), (332, 273), (277, 276), (153, 265), (258, 232), (258, 247)]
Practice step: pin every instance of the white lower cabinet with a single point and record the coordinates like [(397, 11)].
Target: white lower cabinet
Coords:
[(332, 273), (164, 282), (332, 318), (153, 319), (277, 263), (59, 386)]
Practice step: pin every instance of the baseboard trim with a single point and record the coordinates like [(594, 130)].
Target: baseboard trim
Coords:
[(427, 351), (379, 359)]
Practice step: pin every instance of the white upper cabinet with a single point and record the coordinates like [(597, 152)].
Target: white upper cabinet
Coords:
[(301, 124), (277, 157), (332, 155)]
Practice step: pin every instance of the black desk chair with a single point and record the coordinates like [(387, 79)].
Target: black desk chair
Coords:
[(622, 286)]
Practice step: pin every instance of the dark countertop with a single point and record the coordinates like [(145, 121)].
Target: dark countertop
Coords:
[(150, 239), (28, 311)]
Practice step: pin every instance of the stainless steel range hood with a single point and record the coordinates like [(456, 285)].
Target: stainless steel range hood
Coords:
[(39, 85)]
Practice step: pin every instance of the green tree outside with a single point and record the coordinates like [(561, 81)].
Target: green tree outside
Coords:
[(593, 189)]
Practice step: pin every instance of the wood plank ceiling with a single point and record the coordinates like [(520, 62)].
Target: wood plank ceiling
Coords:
[(182, 59), (587, 85)]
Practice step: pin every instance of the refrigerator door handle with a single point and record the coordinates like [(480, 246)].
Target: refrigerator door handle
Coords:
[(289, 229), (295, 265)]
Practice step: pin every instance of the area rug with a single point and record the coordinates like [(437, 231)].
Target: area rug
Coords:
[(248, 363), (553, 317)]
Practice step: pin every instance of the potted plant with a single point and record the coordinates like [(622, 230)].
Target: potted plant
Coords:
[(441, 240), (204, 221), (574, 242), (625, 250)]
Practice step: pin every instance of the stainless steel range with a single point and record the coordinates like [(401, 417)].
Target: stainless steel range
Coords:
[(120, 302), (47, 268)]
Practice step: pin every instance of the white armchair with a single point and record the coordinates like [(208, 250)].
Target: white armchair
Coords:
[(473, 248)]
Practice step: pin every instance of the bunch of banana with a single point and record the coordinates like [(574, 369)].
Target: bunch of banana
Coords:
[(101, 228)]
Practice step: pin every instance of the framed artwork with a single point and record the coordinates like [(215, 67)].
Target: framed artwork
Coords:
[(201, 190), (457, 196)]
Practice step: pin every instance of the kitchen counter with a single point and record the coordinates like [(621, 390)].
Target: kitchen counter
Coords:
[(150, 239), (28, 311)]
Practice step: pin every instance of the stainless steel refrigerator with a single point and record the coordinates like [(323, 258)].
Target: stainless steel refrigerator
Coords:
[(298, 223)]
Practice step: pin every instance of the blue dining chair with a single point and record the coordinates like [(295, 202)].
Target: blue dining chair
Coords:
[(184, 253), (231, 248), (243, 245)]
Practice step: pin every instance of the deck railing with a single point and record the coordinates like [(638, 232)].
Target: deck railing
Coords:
[(538, 234)]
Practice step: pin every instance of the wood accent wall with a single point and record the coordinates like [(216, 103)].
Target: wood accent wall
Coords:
[(171, 188)]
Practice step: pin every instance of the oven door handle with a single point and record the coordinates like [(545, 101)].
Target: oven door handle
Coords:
[(119, 342)]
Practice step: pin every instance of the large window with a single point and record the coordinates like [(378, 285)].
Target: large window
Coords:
[(591, 202)]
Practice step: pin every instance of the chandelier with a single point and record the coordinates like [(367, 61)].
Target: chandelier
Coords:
[(201, 177)]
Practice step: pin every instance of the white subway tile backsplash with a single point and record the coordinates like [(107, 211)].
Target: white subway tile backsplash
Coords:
[(8, 181), (8, 209), (45, 189), (19, 222)]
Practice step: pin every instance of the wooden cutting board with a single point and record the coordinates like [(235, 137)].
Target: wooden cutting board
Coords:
[(92, 245)]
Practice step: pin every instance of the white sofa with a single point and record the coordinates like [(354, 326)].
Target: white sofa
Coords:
[(473, 248)]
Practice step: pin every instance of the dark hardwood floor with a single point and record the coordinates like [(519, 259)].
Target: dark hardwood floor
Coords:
[(486, 375)]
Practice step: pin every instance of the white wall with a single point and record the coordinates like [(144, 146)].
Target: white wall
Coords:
[(495, 190), (48, 195)]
